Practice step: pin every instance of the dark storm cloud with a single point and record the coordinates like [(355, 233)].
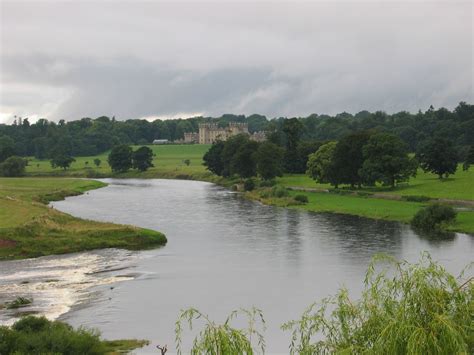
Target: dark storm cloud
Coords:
[(70, 60)]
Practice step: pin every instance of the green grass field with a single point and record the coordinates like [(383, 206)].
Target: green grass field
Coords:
[(459, 186), (169, 163), (169, 159), (29, 228)]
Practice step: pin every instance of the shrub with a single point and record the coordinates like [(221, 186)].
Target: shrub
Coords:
[(19, 302), (249, 185), (267, 183), (13, 166), (434, 217), (222, 338), (301, 198), (38, 335), (279, 191)]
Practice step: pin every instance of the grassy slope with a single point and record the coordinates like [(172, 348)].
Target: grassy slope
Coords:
[(28, 228), (169, 163)]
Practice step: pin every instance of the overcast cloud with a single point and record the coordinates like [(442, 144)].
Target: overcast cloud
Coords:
[(67, 60)]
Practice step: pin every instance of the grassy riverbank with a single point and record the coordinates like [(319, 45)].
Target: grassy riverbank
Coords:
[(399, 204), (29, 228)]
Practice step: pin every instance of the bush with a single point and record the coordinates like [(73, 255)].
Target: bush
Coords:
[(267, 183), (38, 335), (249, 185), (13, 166), (19, 302), (435, 217), (279, 191), (301, 198)]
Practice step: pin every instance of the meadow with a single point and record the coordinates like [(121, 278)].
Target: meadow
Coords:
[(168, 159), (373, 202), (29, 228)]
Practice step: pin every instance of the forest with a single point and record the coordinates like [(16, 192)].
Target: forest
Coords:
[(43, 139)]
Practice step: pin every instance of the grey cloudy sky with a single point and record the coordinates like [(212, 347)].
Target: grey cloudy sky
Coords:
[(67, 60)]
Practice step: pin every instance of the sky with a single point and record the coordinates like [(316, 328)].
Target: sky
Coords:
[(169, 59)]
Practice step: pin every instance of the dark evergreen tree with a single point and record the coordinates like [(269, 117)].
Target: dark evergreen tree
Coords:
[(386, 160), (62, 160), (348, 158), (142, 158), (269, 159), (213, 158), (120, 158), (438, 156)]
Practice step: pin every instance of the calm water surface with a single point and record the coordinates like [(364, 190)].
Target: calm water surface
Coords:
[(223, 253)]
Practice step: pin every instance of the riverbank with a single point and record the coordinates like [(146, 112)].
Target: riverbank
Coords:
[(29, 228), (399, 204)]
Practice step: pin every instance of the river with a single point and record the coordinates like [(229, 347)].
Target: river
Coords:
[(223, 253)]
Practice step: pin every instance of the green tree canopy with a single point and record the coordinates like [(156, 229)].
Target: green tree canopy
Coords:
[(269, 159), (120, 158), (439, 156), (62, 160), (386, 160), (213, 158), (231, 146), (348, 158), (13, 166), (7, 147), (244, 162), (320, 164), (142, 158)]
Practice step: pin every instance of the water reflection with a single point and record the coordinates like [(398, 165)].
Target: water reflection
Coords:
[(226, 252)]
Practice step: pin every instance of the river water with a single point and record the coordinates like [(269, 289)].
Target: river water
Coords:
[(223, 253)]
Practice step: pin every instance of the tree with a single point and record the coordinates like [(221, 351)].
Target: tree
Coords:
[(142, 158), (120, 158), (269, 158), (62, 160), (244, 162), (403, 309), (320, 164), (97, 162), (304, 149), (292, 129), (439, 156), (213, 158), (348, 158), (469, 159), (13, 166), (386, 160), (7, 148), (231, 146)]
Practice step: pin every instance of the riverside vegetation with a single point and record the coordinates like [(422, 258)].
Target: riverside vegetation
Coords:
[(404, 309), (400, 203), (29, 228)]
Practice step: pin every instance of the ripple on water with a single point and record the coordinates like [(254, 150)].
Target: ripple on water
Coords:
[(56, 283)]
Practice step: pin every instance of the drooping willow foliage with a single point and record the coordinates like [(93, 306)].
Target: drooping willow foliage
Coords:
[(404, 309), (220, 339)]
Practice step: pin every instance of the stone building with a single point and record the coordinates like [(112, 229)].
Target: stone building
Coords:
[(191, 137), (211, 132)]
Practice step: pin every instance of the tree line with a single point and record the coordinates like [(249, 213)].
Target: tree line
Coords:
[(85, 137), (360, 158)]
